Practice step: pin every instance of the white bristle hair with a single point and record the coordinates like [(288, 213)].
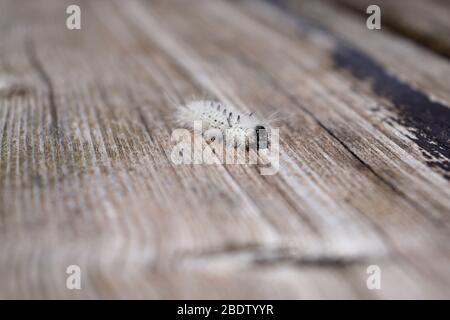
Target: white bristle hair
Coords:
[(240, 127)]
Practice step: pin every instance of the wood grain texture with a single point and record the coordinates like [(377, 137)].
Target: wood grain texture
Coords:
[(425, 22), (86, 176)]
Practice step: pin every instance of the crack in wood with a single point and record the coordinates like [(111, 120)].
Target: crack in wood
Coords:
[(260, 255), (30, 50)]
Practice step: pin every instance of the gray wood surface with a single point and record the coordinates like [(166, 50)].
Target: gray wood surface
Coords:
[(86, 176), (425, 22)]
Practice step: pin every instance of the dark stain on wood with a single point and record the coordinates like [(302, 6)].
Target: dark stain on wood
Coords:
[(429, 121)]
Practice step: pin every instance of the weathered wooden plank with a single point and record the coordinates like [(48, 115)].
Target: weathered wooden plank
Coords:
[(382, 112), (203, 36), (103, 151), (85, 175)]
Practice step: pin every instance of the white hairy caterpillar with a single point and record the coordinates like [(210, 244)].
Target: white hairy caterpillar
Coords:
[(242, 130)]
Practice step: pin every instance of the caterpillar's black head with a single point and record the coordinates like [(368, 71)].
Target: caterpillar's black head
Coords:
[(261, 137)]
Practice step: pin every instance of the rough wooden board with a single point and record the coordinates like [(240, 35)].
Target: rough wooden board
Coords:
[(86, 180), (387, 110)]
